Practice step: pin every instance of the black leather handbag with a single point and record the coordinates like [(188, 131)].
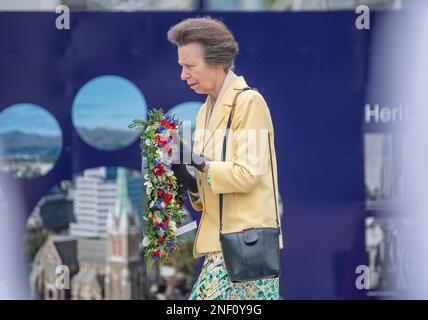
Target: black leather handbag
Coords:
[(252, 253)]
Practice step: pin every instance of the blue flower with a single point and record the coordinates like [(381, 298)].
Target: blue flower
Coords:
[(169, 244), (159, 205), (167, 116), (160, 129), (155, 162)]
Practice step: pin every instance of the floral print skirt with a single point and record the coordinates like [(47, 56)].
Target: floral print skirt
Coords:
[(214, 284)]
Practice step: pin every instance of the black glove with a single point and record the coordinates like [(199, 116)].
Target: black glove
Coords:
[(185, 177)]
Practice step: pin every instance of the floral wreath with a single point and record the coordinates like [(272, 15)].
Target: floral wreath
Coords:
[(164, 193)]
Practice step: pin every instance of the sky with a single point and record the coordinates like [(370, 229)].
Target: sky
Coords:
[(109, 102), (28, 118)]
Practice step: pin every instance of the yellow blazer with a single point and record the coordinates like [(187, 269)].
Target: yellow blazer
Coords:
[(245, 177)]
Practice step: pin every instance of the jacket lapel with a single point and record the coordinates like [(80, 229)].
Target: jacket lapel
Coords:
[(222, 110), (200, 124)]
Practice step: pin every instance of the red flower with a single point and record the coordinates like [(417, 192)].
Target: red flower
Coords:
[(161, 239), (167, 197), (158, 170), (160, 192), (169, 152), (165, 223), (165, 123), (156, 252), (160, 140), (155, 223)]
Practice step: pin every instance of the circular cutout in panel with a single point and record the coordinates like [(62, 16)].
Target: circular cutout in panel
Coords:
[(102, 110), (30, 140)]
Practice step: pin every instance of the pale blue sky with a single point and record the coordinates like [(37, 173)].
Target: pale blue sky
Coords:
[(108, 102), (28, 118), (187, 111)]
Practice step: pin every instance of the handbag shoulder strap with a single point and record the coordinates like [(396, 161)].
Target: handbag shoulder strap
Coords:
[(223, 158)]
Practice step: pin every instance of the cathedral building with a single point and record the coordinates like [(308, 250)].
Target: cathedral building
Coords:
[(70, 267)]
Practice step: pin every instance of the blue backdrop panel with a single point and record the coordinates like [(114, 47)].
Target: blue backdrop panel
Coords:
[(310, 67)]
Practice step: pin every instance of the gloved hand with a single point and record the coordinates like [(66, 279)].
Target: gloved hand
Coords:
[(185, 152), (185, 177), (197, 161)]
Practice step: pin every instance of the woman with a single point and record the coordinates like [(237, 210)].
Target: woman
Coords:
[(206, 52)]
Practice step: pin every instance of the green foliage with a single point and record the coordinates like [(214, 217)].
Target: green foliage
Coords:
[(33, 241)]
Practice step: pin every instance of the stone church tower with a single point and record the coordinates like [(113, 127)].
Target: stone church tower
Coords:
[(122, 278)]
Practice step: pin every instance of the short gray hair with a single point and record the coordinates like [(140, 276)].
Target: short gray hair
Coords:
[(218, 44)]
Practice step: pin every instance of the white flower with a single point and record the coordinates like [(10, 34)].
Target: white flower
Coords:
[(148, 142), (146, 177), (158, 218), (172, 225), (146, 241), (149, 187), (149, 191), (152, 204), (161, 232)]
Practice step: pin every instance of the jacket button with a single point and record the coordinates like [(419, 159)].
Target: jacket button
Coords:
[(200, 182)]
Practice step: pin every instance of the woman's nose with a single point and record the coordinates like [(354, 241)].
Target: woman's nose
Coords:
[(184, 74)]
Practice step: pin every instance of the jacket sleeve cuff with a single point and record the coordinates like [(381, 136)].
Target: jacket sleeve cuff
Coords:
[(217, 170)]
